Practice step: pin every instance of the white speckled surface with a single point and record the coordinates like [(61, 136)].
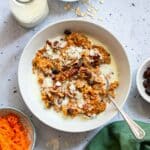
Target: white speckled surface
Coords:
[(128, 20)]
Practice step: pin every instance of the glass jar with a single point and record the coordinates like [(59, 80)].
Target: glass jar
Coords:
[(29, 12)]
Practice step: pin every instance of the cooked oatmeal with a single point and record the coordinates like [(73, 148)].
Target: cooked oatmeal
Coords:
[(71, 75)]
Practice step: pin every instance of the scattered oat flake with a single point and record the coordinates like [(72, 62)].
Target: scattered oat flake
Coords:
[(67, 6), (93, 7), (90, 15), (79, 13), (92, 11)]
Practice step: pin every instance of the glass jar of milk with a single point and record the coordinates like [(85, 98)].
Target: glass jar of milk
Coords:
[(29, 12)]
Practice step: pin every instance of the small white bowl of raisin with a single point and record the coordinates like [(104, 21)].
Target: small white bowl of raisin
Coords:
[(143, 80)]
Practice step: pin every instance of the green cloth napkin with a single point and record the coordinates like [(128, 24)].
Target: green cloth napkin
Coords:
[(117, 136)]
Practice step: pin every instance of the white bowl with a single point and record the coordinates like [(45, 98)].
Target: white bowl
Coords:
[(30, 90), (140, 79), (24, 120)]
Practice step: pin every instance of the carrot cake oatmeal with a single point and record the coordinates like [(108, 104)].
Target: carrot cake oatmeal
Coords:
[(75, 75)]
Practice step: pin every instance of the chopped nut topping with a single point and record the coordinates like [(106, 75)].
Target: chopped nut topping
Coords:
[(71, 79)]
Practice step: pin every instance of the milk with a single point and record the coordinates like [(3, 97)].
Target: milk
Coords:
[(29, 12)]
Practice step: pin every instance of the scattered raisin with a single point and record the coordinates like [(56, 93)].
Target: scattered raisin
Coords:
[(55, 43), (96, 60), (88, 75), (55, 71), (49, 43), (79, 64), (53, 78), (67, 32), (70, 111)]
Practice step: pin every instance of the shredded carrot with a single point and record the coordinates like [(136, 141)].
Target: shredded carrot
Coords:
[(13, 135)]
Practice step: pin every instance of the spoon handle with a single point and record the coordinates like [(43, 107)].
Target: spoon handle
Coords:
[(137, 131)]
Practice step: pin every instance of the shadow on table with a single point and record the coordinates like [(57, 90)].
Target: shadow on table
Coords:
[(51, 139), (138, 106)]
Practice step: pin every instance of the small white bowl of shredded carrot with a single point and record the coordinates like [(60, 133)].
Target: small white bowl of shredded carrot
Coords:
[(16, 130)]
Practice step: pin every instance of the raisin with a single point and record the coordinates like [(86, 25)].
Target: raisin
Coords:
[(88, 75), (55, 43), (70, 111), (67, 32), (49, 43), (91, 82), (145, 83), (148, 90), (78, 65), (148, 80), (96, 57), (146, 74), (55, 71), (96, 60)]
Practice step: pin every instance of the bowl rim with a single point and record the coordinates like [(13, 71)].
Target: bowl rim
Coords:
[(28, 119), (143, 94), (76, 20)]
